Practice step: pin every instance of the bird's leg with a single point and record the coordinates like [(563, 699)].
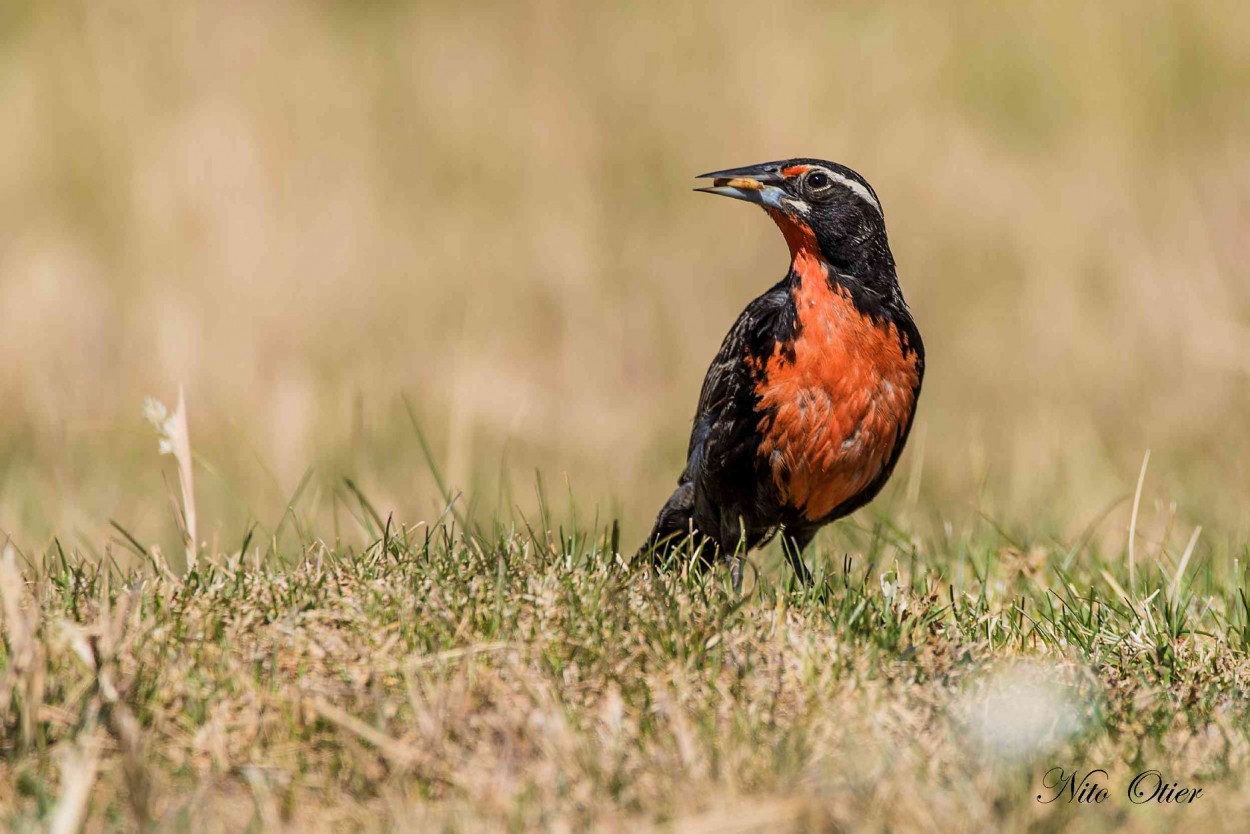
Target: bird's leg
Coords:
[(734, 546), (793, 544)]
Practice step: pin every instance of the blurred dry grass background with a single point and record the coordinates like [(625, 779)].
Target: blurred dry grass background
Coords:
[(304, 211)]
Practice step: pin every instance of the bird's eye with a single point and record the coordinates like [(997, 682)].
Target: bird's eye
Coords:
[(818, 181)]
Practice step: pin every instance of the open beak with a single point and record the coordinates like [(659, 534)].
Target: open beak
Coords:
[(758, 184)]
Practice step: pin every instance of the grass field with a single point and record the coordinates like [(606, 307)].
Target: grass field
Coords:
[(432, 280), (527, 677)]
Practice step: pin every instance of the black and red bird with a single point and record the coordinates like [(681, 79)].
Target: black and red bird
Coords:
[(807, 406)]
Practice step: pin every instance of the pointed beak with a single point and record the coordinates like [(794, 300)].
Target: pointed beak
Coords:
[(760, 184)]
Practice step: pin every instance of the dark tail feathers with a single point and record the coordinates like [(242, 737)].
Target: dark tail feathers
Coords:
[(674, 523)]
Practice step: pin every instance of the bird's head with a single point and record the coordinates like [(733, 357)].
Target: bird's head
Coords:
[(823, 208)]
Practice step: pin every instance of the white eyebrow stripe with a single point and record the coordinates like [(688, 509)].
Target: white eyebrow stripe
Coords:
[(855, 186)]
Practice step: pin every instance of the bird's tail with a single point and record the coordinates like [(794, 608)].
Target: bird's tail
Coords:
[(673, 526)]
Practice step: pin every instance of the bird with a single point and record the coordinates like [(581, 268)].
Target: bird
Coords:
[(808, 404)]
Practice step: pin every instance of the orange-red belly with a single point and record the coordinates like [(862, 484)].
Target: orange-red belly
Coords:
[(833, 415)]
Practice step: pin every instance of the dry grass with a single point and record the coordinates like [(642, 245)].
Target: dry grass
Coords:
[(529, 682)]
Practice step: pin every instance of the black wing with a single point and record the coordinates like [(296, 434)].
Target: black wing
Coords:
[(724, 439), (725, 416)]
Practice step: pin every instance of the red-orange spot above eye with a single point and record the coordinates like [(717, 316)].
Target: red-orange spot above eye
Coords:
[(794, 170)]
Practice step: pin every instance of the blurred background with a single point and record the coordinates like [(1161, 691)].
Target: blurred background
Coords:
[(306, 212)]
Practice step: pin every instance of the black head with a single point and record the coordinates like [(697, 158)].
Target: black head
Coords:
[(816, 199)]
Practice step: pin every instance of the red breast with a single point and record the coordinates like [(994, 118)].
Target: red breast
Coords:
[(836, 400)]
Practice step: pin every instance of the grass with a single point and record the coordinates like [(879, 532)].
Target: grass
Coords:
[(528, 677)]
